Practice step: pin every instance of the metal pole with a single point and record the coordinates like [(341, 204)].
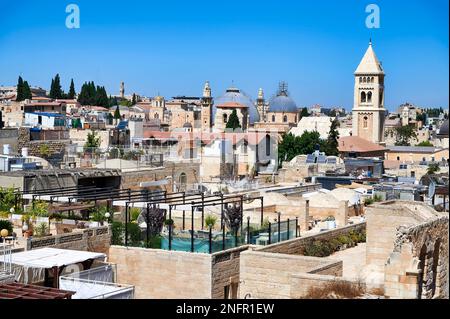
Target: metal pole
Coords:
[(288, 228), (203, 210), (126, 224), (192, 229), (148, 224), (296, 227), (184, 216), (221, 211), (242, 211), (170, 227), (248, 229), (223, 236), (279, 227), (270, 233), (262, 211), (210, 240)]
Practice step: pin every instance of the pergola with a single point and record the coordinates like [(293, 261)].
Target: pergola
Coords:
[(24, 291)]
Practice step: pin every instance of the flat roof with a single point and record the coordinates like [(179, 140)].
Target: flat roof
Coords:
[(24, 291), (52, 257)]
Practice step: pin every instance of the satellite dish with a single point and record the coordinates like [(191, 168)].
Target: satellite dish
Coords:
[(431, 189)]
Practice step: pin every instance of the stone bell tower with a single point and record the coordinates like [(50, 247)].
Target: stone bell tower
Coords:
[(368, 107), (207, 104)]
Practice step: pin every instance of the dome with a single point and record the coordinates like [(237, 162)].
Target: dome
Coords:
[(443, 130), (237, 96), (282, 102)]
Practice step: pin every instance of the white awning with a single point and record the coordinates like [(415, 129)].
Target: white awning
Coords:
[(52, 257)]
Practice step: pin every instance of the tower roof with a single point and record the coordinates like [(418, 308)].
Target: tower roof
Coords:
[(369, 63)]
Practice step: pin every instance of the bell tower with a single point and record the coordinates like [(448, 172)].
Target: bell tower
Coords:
[(261, 105), (368, 107), (207, 104)]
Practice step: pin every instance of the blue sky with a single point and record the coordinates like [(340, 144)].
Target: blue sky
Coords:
[(172, 47)]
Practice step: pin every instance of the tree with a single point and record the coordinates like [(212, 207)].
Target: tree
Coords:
[(233, 121), (72, 93), (433, 168), (20, 95), (27, 91), (92, 142), (44, 150), (55, 88), (291, 146), (233, 217), (404, 134), (133, 100), (304, 112), (117, 115), (331, 146)]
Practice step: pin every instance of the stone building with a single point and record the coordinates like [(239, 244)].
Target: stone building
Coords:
[(368, 107)]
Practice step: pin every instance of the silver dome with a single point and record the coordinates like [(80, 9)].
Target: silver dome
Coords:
[(236, 95), (282, 102)]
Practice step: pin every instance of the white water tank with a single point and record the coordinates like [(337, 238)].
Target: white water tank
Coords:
[(24, 151), (6, 149)]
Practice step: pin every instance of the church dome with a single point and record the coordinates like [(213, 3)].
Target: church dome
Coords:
[(282, 102), (235, 95)]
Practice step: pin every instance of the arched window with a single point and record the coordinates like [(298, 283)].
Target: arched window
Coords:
[(369, 97), (182, 180), (360, 79), (364, 79), (225, 118), (273, 118), (372, 79), (156, 116), (365, 125), (285, 118), (295, 119), (363, 97), (267, 145)]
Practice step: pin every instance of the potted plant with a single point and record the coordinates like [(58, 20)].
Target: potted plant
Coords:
[(210, 221)]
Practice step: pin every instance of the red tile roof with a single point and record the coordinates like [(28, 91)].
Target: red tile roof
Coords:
[(358, 145)]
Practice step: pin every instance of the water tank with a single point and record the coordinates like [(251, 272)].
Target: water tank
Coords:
[(6, 149), (24, 151)]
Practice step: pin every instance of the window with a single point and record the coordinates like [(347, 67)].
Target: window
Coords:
[(285, 118), (183, 180), (267, 145), (360, 79), (364, 80), (372, 79), (369, 97), (365, 124), (156, 116), (398, 158), (363, 97), (273, 118), (413, 174)]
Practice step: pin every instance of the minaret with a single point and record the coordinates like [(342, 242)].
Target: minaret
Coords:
[(122, 90), (368, 107), (260, 105), (207, 104)]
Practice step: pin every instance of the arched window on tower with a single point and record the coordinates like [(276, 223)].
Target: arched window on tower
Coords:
[(225, 118), (364, 79), (273, 118), (369, 97), (363, 97), (372, 79), (285, 118), (268, 144), (360, 79), (156, 116), (365, 125)]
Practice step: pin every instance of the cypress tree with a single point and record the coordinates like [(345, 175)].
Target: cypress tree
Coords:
[(55, 88), (72, 93), (26, 91), (133, 101), (332, 144), (20, 95), (117, 115), (233, 121)]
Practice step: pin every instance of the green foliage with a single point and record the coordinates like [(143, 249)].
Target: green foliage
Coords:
[(168, 222), (434, 112), (55, 88), (425, 143), (93, 95), (6, 224), (125, 102), (134, 234), (27, 91), (135, 212), (133, 100), (117, 115), (210, 221), (375, 198), (154, 242), (40, 209), (72, 93), (44, 150), (331, 145), (433, 168), (291, 146), (7, 199), (92, 142), (76, 123), (266, 223), (97, 214), (20, 93), (233, 121), (304, 113), (404, 134), (41, 230), (118, 233), (324, 248), (421, 117)]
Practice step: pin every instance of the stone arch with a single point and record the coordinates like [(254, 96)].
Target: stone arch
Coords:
[(422, 271), (364, 79), (360, 79), (363, 97), (436, 269), (369, 96)]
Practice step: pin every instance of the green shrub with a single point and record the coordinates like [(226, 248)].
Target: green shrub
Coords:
[(41, 230), (40, 208), (134, 234), (154, 242), (118, 233), (135, 212), (210, 221), (6, 224)]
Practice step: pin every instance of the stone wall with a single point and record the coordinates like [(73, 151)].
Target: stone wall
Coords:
[(96, 239), (296, 246), (418, 264), (269, 275), (157, 273), (301, 283)]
